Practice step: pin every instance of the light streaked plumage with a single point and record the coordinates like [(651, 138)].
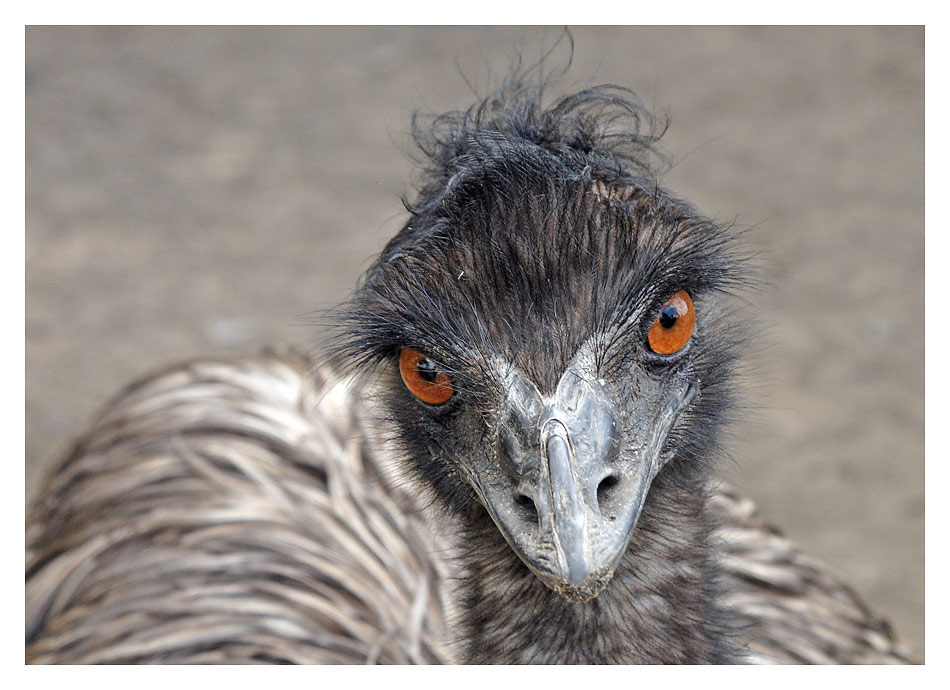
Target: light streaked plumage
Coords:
[(243, 511)]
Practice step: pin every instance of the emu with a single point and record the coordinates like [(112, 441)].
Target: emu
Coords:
[(507, 454)]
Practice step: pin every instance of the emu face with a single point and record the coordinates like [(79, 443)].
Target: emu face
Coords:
[(515, 321), (571, 468)]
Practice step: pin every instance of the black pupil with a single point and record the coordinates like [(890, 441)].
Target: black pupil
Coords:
[(427, 370), (668, 317)]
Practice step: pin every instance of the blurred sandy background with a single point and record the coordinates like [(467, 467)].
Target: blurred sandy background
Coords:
[(193, 191)]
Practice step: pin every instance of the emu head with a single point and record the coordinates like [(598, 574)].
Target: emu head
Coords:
[(549, 328)]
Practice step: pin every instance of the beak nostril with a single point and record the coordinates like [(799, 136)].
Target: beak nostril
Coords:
[(527, 508), (604, 489)]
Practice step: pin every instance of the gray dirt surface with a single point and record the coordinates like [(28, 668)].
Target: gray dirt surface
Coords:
[(192, 191)]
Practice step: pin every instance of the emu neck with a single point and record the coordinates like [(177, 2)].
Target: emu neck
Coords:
[(660, 607)]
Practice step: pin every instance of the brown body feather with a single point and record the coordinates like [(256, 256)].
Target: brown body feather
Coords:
[(241, 511)]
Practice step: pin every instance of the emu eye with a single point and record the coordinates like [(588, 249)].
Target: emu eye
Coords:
[(673, 326), (423, 378)]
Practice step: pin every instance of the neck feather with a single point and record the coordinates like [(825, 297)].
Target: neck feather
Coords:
[(660, 607)]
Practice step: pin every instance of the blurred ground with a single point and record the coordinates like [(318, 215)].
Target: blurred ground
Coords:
[(192, 191)]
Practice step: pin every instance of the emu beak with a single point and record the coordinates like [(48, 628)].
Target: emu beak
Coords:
[(569, 507), (564, 496)]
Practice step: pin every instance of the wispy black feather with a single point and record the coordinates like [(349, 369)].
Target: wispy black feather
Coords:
[(538, 229), (605, 129), (496, 174)]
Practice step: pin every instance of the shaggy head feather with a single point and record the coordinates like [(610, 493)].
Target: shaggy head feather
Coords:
[(539, 233)]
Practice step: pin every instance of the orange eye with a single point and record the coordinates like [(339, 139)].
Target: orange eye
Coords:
[(423, 378), (674, 325)]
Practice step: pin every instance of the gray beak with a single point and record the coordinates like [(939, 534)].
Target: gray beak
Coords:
[(563, 495), (569, 507)]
